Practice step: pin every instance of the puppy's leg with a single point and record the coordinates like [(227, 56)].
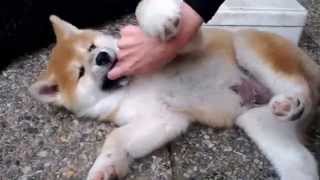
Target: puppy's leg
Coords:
[(131, 141), (159, 18), (280, 143), (276, 63)]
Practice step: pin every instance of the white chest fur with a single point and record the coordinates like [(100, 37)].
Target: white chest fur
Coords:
[(199, 89)]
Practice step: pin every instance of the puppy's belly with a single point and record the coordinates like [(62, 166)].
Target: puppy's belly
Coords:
[(216, 107), (219, 106)]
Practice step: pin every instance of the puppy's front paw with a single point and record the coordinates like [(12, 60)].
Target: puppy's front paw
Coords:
[(287, 107), (159, 19), (107, 167), (107, 173)]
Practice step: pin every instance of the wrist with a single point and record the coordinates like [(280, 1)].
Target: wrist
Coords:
[(190, 23)]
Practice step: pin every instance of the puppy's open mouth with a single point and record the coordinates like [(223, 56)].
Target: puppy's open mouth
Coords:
[(108, 84)]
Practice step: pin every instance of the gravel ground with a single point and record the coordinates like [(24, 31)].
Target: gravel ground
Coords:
[(44, 142)]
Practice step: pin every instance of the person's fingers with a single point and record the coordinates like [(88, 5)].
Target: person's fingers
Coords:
[(144, 69), (125, 54), (128, 41), (121, 69), (141, 67), (130, 29), (115, 73)]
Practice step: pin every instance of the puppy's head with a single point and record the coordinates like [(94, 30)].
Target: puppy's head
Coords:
[(76, 76)]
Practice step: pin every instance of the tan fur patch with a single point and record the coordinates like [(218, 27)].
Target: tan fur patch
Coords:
[(219, 41), (277, 51), (64, 54)]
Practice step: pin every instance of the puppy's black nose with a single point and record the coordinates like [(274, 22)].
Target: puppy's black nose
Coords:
[(103, 58)]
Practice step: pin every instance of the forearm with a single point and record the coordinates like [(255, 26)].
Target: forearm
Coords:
[(193, 14)]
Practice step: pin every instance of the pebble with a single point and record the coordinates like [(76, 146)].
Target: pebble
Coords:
[(26, 169), (228, 149), (69, 173), (206, 137), (42, 154)]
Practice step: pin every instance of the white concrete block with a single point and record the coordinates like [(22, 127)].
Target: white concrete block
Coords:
[(284, 17)]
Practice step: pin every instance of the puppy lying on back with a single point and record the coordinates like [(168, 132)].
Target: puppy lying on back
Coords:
[(255, 80)]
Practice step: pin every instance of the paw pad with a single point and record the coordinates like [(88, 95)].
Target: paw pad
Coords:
[(287, 107)]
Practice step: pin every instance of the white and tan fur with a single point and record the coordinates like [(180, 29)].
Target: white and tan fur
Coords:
[(152, 110)]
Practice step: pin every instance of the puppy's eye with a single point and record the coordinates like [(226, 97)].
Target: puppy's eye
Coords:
[(92, 47), (81, 72)]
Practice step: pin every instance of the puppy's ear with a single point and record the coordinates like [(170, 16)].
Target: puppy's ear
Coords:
[(62, 29), (46, 90)]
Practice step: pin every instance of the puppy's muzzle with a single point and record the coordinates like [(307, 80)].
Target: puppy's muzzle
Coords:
[(105, 58)]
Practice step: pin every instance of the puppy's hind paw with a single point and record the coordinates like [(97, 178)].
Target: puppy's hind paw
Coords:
[(159, 19), (287, 107)]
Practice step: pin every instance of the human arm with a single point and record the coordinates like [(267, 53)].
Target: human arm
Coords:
[(140, 53)]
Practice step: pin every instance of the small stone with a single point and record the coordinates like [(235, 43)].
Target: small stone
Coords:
[(47, 164), (186, 175), (63, 139), (210, 145), (69, 173), (42, 154), (75, 123), (57, 151), (256, 161), (228, 149), (26, 169)]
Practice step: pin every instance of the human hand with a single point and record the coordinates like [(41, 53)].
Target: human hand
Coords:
[(140, 53)]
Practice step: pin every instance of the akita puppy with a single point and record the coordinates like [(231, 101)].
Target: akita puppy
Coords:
[(258, 81)]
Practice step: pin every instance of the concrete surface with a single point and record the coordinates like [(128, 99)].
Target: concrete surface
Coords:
[(43, 142)]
